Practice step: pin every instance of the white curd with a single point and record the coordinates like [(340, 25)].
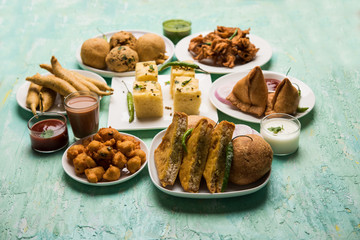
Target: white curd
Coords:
[(286, 140)]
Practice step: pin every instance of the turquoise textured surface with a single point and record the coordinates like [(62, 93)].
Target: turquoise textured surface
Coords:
[(312, 194)]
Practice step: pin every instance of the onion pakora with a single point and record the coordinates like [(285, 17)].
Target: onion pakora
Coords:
[(106, 155), (226, 46)]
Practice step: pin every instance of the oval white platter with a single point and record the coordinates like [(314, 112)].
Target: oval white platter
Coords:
[(169, 48), (262, 56), (177, 191), (307, 98), (58, 104), (125, 174)]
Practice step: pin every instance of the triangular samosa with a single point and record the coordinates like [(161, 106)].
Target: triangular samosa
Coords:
[(285, 99), (250, 93)]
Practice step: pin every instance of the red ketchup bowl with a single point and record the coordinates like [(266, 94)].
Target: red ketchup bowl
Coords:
[(48, 132)]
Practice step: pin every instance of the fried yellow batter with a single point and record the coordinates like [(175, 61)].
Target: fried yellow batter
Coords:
[(104, 155), (226, 46)]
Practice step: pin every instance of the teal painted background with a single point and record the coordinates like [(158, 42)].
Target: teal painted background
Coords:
[(312, 194)]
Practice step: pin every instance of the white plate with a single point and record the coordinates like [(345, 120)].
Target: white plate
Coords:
[(118, 112), (125, 174), (169, 48), (176, 190), (307, 98), (262, 56), (58, 104)]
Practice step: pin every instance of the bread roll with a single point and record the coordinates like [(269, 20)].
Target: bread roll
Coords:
[(252, 159)]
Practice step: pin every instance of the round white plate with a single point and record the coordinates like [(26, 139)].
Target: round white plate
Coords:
[(137, 33), (58, 104), (125, 174), (176, 190), (262, 56), (307, 98)]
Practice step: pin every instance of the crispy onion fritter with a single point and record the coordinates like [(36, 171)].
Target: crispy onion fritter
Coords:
[(226, 46)]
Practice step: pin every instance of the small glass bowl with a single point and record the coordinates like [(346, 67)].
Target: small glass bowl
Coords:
[(282, 132), (48, 132)]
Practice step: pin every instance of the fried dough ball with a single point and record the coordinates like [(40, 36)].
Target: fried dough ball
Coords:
[(110, 142), (140, 153), (94, 51), (132, 139), (74, 151), (86, 142), (90, 162), (80, 163), (105, 153), (134, 164), (106, 134), (95, 174), (150, 47), (104, 156), (112, 173), (126, 147), (122, 59), (101, 153), (123, 38), (119, 160), (93, 146)]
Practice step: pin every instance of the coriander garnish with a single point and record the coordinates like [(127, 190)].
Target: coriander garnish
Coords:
[(301, 109), (167, 83), (47, 133), (151, 68), (276, 129), (184, 83), (138, 87)]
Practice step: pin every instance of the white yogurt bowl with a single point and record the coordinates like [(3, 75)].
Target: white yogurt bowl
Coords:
[(282, 132)]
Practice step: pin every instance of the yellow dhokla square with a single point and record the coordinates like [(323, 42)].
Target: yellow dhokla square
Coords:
[(146, 71), (178, 71), (148, 99), (187, 96)]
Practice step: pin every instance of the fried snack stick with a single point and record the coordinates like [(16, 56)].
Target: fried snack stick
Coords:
[(47, 67), (50, 81), (63, 73), (101, 85), (47, 99), (90, 85), (32, 98), (74, 79)]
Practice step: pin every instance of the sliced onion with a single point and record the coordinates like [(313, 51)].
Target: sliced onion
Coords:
[(241, 129), (222, 92)]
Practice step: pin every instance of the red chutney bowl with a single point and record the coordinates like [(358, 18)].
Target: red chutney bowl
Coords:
[(48, 132)]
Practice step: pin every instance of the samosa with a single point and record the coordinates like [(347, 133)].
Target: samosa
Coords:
[(285, 99), (250, 93)]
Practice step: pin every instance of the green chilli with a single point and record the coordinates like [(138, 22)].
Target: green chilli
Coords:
[(184, 138), (228, 161), (130, 104), (178, 63), (232, 36)]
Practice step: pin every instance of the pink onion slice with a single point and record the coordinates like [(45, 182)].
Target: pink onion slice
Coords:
[(222, 92), (241, 129)]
